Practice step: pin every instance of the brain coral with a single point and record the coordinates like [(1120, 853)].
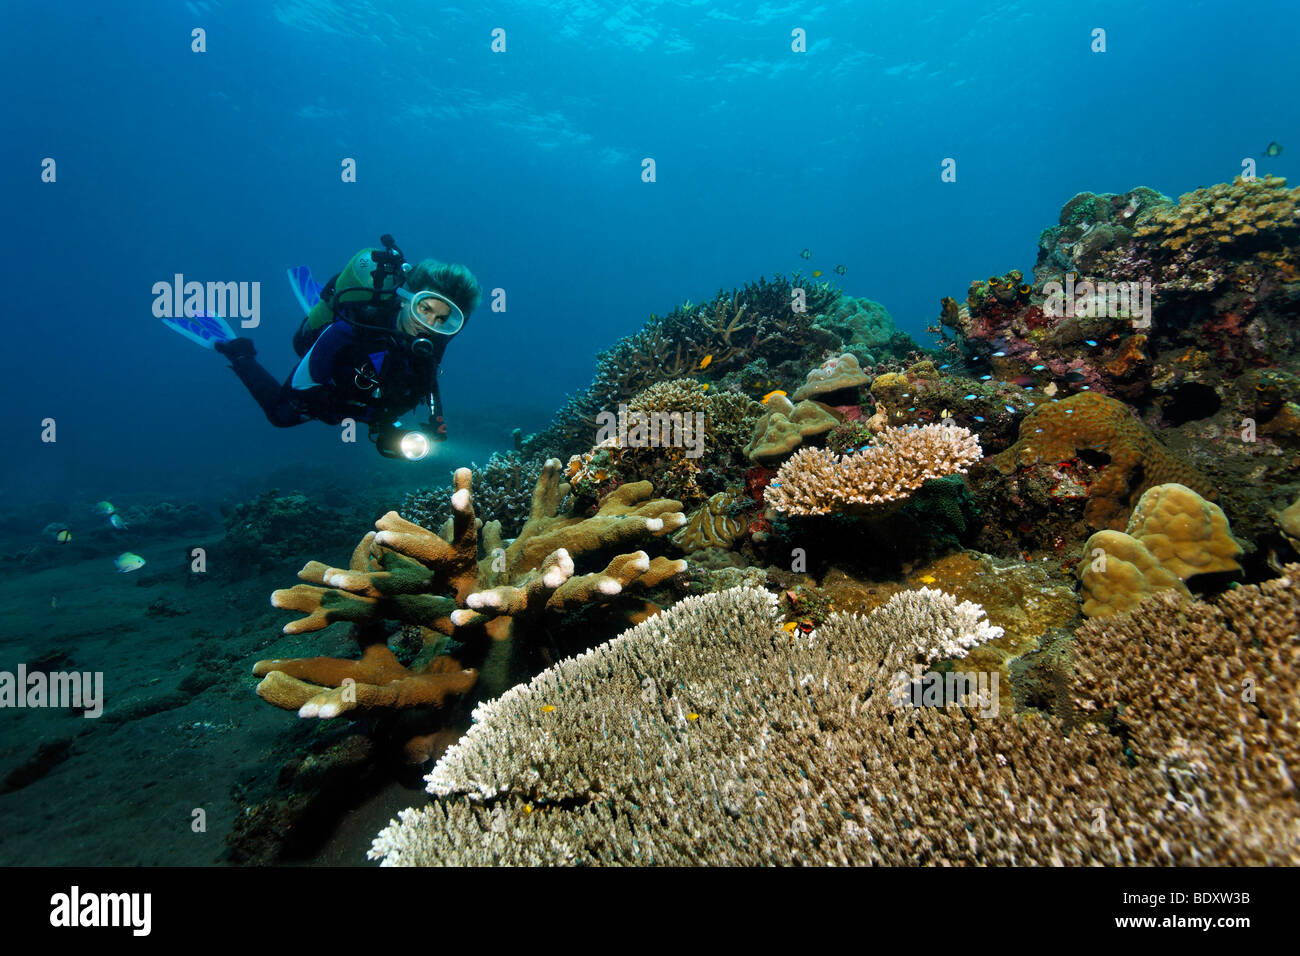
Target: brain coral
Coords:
[(712, 525), (1094, 425)]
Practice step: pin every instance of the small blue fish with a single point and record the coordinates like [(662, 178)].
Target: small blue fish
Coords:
[(1085, 388), (1010, 408), (1037, 430), (912, 409), (942, 367), (1069, 411), (979, 418), (1029, 388), (1039, 368), (969, 398), (775, 484), (1090, 342), (985, 378), (999, 354)]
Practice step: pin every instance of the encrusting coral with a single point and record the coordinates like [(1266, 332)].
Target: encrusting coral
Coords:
[(1091, 425), (841, 374), (1173, 534), (466, 584), (817, 481), (709, 736)]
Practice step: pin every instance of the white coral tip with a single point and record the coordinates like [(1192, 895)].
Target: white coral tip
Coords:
[(654, 524), (554, 578), (462, 617), (460, 500), (608, 586), (309, 709)]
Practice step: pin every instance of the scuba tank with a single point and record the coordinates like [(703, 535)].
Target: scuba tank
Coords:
[(366, 289)]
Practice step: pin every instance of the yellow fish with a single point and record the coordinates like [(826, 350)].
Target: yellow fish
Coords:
[(547, 708), (928, 579), (768, 397), (817, 273), (706, 386), (704, 362), (789, 626), (692, 716)]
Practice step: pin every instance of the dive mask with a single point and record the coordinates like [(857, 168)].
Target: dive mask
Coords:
[(448, 324)]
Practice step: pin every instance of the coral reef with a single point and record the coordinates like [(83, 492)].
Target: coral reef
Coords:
[(709, 736), (817, 481)]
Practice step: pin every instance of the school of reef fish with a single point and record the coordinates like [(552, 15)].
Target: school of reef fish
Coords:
[(1101, 505)]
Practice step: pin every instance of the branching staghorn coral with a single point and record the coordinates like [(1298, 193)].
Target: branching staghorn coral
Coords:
[(708, 736), (465, 583), (817, 481)]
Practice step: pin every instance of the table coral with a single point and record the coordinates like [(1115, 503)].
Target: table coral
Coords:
[(817, 481), (1098, 428), (709, 736)]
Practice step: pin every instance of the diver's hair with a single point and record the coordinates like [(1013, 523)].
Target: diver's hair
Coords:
[(454, 281)]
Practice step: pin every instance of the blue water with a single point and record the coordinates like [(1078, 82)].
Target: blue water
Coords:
[(526, 167)]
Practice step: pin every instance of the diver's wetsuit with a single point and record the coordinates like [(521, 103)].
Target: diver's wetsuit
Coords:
[(338, 376)]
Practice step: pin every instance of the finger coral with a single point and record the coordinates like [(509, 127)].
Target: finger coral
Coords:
[(709, 736), (1102, 429), (817, 481), (464, 583)]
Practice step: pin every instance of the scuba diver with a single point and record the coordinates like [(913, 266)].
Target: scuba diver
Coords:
[(369, 347)]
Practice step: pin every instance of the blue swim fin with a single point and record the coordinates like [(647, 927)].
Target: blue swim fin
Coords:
[(305, 288), (206, 330)]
